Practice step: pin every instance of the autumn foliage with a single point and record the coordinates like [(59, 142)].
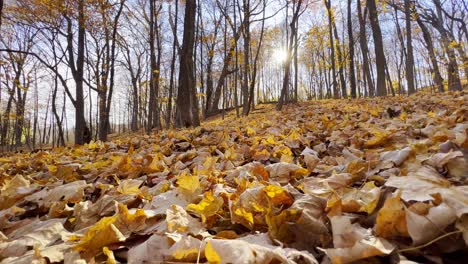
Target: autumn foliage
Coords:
[(381, 179)]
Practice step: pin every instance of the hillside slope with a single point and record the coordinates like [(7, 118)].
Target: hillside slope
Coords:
[(333, 180)]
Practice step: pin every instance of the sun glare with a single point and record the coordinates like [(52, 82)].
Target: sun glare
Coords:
[(280, 55)]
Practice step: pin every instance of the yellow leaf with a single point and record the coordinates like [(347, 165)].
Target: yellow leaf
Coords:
[(278, 226), (129, 186), (52, 168), (207, 207), (127, 222), (188, 183), (403, 116), (93, 145), (157, 164), (361, 200), (183, 253), (110, 230), (284, 153), (110, 255), (211, 254), (379, 137), (230, 154), (261, 155), (271, 140), (103, 233), (250, 132), (278, 195), (258, 208), (246, 215), (391, 219), (374, 112)]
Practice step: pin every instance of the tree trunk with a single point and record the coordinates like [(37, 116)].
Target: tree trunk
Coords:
[(173, 60), (287, 66), (80, 122), (1, 12), (437, 77), (378, 45), (184, 112), (454, 83), (352, 76), (365, 50), (341, 62), (246, 70), (409, 48), (255, 63), (332, 49)]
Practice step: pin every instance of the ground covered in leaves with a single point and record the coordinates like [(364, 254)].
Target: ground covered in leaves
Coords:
[(379, 180)]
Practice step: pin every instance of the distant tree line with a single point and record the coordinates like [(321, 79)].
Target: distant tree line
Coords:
[(145, 65)]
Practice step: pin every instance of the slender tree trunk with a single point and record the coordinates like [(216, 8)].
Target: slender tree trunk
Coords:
[(341, 62), (154, 74), (255, 63), (454, 83), (173, 60), (378, 45), (19, 104), (236, 99), (184, 112), (287, 65), (246, 68), (437, 77), (296, 68), (80, 122), (1, 13), (352, 76), (365, 50), (409, 48), (156, 109), (332, 49)]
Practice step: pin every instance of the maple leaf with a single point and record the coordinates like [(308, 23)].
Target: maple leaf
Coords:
[(379, 137), (391, 219), (207, 207), (188, 183)]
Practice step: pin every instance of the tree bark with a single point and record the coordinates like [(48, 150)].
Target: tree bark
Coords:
[(437, 77), (78, 71), (409, 48), (365, 50), (352, 76), (173, 60), (378, 46), (246, 68), (287, 66), (186, 87), (332, 49)]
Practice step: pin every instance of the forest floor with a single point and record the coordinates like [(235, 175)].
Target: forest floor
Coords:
[(380, 180)]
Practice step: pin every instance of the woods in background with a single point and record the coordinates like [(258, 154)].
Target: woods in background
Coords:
[(74, 71)]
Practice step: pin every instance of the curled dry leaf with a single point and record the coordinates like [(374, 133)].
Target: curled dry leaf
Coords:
[(352, 242), (283, 172), (253, 249), (424, 228)]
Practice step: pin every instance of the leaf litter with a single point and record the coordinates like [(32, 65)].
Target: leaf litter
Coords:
[(380, 180)]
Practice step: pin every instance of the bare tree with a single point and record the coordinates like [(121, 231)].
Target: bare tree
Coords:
[(378, 46), (186, 89)]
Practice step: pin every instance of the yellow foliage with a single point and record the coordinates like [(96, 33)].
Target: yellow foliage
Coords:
[(379, 137), (278, 195), (391, 219), (188, 183), (246, 215), (207, 207), (211, 255)]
